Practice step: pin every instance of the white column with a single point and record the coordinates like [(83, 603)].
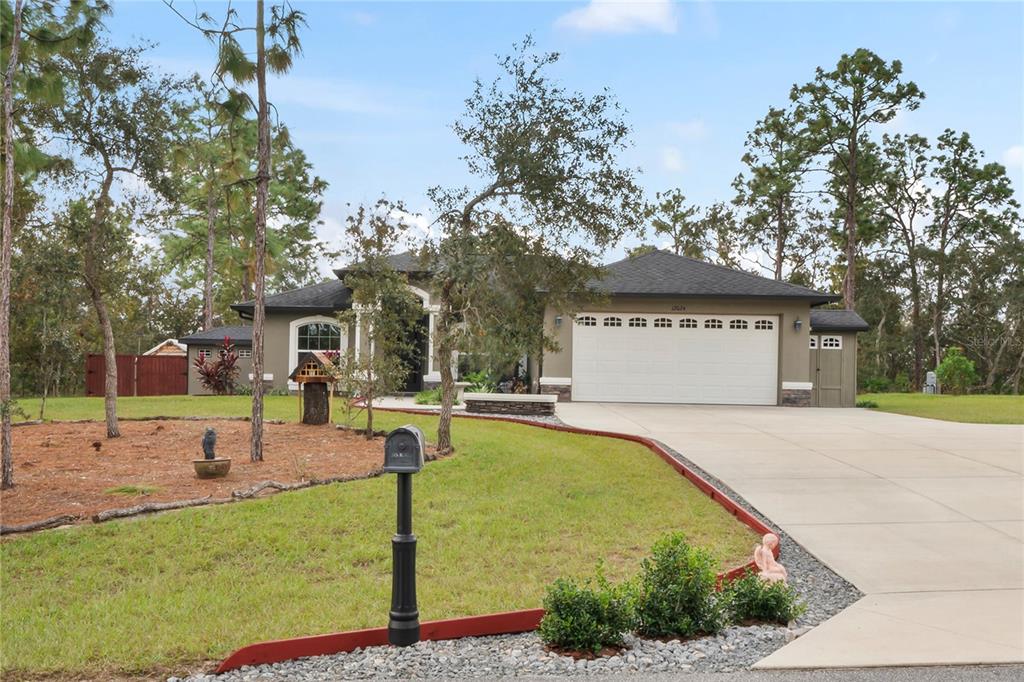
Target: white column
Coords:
[(359, 330), (433, 374)]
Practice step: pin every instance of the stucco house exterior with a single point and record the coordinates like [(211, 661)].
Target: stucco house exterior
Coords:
[(668, 329)]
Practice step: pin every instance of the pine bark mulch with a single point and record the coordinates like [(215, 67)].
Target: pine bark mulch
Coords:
[(71, 469)]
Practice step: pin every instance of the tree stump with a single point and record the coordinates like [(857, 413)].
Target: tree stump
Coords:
[(315, 403)]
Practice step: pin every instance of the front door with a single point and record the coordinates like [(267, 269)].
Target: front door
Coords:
[(416, 357), (827, 370)]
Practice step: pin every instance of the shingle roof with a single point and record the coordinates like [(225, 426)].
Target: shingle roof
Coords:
[(830, 320), (326, 297), (408, 262), (662, 273), (240, 335)]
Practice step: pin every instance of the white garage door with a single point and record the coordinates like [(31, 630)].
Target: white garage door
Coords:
[(653, 358)]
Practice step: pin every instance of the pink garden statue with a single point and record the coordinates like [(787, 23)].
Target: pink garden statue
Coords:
[(764, 557)]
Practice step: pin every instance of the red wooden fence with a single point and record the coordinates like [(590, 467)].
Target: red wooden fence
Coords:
[(140, 374)]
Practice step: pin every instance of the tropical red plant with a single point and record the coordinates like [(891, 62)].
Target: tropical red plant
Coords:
[(221, 374)]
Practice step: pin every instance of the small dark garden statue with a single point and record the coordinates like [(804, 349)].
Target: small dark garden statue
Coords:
[(209, 442), (211, 466)]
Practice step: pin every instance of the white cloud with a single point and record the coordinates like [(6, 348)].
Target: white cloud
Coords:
[(1014, 157), (631, 16), (691, 131), (672, 160), (420, 223)]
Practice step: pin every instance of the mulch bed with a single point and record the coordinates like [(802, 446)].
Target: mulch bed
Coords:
[(68, 468)]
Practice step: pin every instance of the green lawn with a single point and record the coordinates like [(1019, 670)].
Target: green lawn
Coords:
[(974, 409), (516, 507)]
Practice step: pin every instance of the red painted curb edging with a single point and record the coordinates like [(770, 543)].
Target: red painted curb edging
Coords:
[(508, 622), (318, 645)]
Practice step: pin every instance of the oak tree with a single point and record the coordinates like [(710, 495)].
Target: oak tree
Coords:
[(549, 194)]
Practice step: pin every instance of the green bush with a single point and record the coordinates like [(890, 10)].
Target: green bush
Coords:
[(587, 616), (676, 591), (876, 385), (749, 598), (480, 382), (956, 372), (867, 403), (431, 396)]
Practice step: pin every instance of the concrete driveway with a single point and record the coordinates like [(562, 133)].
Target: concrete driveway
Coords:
[(925, 517)]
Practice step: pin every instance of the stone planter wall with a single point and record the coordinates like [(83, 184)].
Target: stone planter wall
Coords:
[(508, 407), (796, 397), (563, 391)]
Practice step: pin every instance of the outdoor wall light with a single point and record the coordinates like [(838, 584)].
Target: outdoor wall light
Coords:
[(558, 320), (797, 324)]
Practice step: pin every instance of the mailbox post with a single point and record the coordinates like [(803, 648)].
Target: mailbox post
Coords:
[(403, 455)]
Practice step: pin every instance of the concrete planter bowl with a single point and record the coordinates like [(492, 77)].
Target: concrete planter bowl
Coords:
[(212, 468)]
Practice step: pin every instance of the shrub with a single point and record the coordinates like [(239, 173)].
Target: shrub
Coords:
[(867, 403), (749, 598), (588, 616), (219, 376), (956, 372), (431, 396), (479, 382), (877, 385), (676, 591)]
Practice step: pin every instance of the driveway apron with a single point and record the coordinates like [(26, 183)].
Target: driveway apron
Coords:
[(925, 517)]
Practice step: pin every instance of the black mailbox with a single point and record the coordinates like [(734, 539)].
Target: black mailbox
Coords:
[(403, 450)]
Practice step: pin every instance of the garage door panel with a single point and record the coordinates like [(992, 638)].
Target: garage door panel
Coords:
[(676, 364)]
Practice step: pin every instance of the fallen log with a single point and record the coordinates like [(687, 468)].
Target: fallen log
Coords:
[(52, 522), (282, 487), (150, 507)]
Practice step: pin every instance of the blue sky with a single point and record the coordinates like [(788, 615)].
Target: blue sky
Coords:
[(373, 96)]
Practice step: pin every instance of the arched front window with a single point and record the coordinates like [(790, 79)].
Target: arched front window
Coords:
[(319, 336)]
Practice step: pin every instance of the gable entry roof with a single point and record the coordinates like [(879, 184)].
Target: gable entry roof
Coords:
[(663, 273), (326, 297), (829, 320)]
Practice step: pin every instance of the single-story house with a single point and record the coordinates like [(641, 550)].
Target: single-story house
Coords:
[(669, 329)]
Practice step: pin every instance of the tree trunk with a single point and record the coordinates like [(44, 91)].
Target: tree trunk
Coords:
[(443, 343), (314, 403), (109, 359), (990, 379), (1017, 373), (916, 331), (937, 315), (369, 394), (850, 280), (6, 454), (262, 186), (780, 240), (211, 222)]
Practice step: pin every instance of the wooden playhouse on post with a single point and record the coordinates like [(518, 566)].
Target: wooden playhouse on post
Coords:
[(316, 375)]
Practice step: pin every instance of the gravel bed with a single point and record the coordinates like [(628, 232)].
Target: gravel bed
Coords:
[(734, 649)]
